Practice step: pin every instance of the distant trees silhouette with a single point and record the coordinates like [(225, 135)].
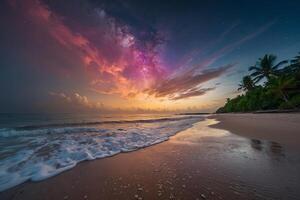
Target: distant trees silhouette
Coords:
[(281, 89)]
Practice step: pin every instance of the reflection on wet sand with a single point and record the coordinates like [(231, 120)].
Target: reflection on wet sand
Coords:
[(199, 132), (256, 144), (273, 149), (203, 132), (276, 150), (253, 166)]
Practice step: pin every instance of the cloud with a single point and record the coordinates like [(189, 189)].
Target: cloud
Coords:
[(192, 92), (119, 59), (221, 52), (112, 57), (75, 101), (186, 84), (61, 95)]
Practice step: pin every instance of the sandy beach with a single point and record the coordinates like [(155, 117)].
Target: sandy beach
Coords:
[(280, 127), (245, 156)]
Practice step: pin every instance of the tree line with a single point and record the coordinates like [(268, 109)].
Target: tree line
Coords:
[(270, 85)]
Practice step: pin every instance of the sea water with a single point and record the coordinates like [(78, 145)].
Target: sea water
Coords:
[(37, 146)]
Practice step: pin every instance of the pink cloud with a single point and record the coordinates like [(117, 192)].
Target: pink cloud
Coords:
[(112, 62), (115, 62)]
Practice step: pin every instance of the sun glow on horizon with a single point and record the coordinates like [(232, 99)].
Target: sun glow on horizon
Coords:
[(90, 57)]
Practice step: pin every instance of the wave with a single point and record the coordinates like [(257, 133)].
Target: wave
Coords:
[(53, 125), (39, 153), (7, 132), (78, 127)]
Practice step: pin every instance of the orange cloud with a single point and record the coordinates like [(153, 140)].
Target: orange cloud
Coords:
[(118, 75)]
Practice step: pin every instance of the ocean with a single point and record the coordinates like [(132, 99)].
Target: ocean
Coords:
[(37, 146)]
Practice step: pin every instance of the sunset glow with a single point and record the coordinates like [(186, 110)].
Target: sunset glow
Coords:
[(149, 99), (94, 58)]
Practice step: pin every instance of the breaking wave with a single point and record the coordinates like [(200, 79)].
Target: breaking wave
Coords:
[(38, 152)]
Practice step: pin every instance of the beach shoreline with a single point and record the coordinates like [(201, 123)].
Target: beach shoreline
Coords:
[(198, 163), (279, 127)]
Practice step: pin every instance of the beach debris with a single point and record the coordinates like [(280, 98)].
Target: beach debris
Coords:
[(203, 196), (140, 189)]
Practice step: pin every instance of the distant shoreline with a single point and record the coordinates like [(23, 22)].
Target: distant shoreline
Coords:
[(198, 113), (264, 111)]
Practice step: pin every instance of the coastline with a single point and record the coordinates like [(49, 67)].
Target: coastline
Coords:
[(198, 163)]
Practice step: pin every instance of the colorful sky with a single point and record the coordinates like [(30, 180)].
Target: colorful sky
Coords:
[(135, 55)]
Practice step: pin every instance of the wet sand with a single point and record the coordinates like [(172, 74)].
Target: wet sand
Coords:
[(280, 127), (200, 163)]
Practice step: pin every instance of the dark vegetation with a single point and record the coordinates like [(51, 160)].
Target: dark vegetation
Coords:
[(269, 86)]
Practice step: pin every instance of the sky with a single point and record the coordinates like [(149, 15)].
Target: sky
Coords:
[(135, 55)]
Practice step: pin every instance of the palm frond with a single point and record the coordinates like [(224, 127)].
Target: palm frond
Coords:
[(255, 73), (279, 64), (251, 68), (258, 78)]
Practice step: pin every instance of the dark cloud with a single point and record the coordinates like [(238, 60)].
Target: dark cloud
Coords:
[(185, 84), (193, 92)]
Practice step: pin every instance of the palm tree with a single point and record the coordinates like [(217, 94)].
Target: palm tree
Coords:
[(246, 84), (295, 64), (296, 60), (279, 85), (265, 67)]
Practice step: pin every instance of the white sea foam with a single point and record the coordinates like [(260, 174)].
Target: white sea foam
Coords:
[(38, 153)]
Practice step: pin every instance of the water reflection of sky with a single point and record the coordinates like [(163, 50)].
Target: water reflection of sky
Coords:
[(231, 144), (199, 132), (249, 166)]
